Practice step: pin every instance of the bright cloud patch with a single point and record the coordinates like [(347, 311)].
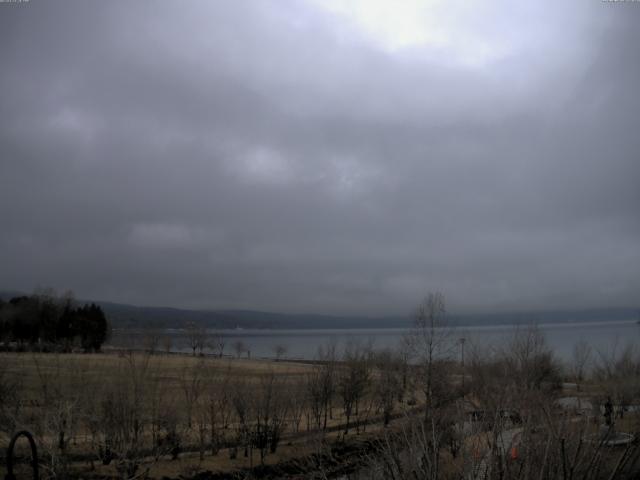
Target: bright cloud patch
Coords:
[(439, 25), (263, 165)]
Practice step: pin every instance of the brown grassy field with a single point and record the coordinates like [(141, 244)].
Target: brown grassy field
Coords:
[(53, 393)]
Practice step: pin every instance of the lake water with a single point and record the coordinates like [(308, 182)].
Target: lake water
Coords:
[(603, 337)]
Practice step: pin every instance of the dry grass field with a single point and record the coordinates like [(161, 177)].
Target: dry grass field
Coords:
[(145, 406)]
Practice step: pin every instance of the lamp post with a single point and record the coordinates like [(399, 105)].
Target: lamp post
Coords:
[(462, 340)]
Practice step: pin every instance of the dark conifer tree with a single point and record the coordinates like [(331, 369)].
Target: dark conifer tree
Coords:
[(25, 327), (4, 324), (43, 318)]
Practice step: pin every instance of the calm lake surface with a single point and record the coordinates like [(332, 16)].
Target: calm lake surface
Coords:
[(604, 337)]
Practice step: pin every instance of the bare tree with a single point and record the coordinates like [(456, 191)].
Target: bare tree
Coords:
[(618, 371), (531, 361), (315, 396), (11, 386), (122, 417), (580, 361), (297, 404), (202, 420), (430, 345), (151, 340), (218, 342), (387, 383), (327, 379), (192, 385), (167, 343), (353, 380), (269, 409), (217, 400), (158, 406), (196, 338), (241, 401), (279, 351), (62, 386), (320, 386)]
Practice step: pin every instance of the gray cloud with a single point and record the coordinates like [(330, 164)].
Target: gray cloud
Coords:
[(273, 156)]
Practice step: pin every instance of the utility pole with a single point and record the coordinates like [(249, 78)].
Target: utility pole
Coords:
[(462, 340)]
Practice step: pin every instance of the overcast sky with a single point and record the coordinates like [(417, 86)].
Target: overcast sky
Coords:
[(339, 157)]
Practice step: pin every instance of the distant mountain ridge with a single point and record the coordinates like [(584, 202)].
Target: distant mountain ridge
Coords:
[(131, 316)]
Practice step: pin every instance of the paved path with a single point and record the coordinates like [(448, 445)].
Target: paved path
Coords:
[(506, 440)]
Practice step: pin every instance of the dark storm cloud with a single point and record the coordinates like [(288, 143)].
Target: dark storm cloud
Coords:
[(269, 155)]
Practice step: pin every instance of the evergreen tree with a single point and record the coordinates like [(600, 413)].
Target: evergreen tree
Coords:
[(93, 327), (43, 317)]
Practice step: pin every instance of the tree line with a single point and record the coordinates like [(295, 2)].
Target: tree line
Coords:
[(44, 321)]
